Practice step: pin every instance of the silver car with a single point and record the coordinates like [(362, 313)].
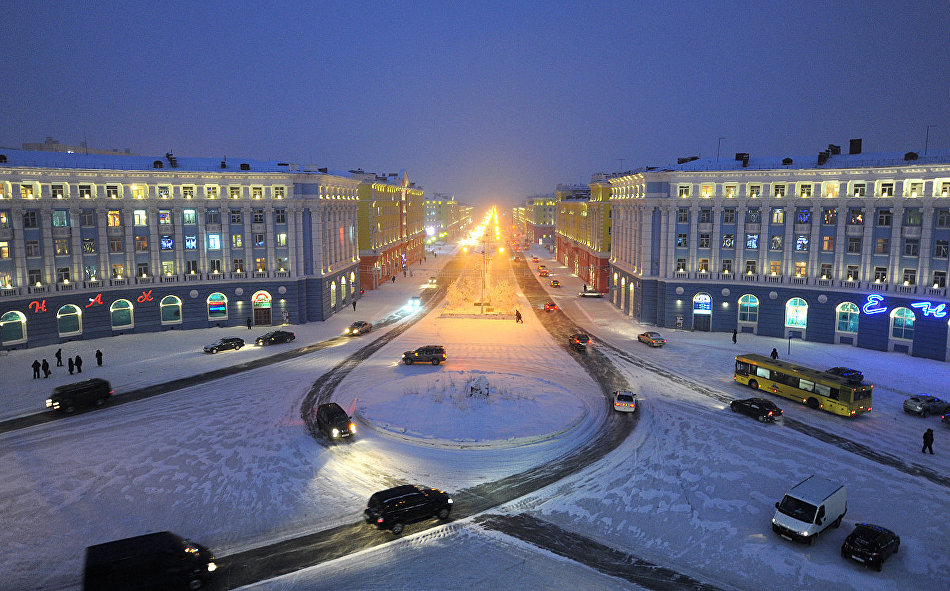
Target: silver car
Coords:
[(924, 405)]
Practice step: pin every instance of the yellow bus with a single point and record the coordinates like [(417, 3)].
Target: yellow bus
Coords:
[(817, 389)]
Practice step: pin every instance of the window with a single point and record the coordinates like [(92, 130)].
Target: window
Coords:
[(704, 240), (683, 191), (187, 193), (910, 277), (829, 216), (237, 265), (753, 216), (728, 240), (112, 191), (775, 267), (191, 242), (682, 240), (168, 268), (164, 192), (189, 217), (778, 215), (118, 270), (234, 192), (4, 250), (211, 192), (166, 242), (941, 249), (26, 191), (217, 306), (214, 265), (32, 248), (191, 267), (778, 190), (729, 215), (60, 218), (796, 313), (88, 245), (236, 216), (804, 190), (911, 247), (854, 245), (801, 243), (115, 245), (755, 191), (707, 191), (727, 266), (902, 324), (887, 189), (703, 266), (138, 192), (87, 217), (883, 217), (859, 189), (214, 241), (751, 267), (170, 307), (114, 218), (803, 215), (69, 320), (680, 265), (943, 218), (705, 216), (61, 246), (121, 314), (682, 215), (4, 219), (258, 216), (257, 192), (34, 276), (213, 216), (748, 308), (85, 191), (913, 217), (831, 189), (848, 317), (801, 269), (775, 243), (278, 192), (164, 217), (731, 191), (880, 274), (260, 264), (855, 216), (827, 243), (140, 218), (940, 279), (825, 271), (853, 273), (751, 241), (280, 216), (258, 240), (141, 270), (237, 241), (945, 190), (281, 240), (30, 219), (141, 243), (882, 246)]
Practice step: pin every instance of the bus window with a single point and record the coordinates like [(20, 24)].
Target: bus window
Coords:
[(742, 368), (806, 385), (826, 390), (762, 372), (862, 393)]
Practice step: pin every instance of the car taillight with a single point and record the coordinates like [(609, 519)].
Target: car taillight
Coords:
[(770, 413), (379, 520)]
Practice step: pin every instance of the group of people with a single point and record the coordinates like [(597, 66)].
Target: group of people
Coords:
[(74, 364)]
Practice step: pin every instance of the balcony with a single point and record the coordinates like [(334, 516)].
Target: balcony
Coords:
[(116, 282), (145, 279), (238, 275), (773, 279), (824, 282), (281, 273), (215, 276), (937, 291), (94, 284), (681, 275), (192, 277), (169, 278), (40, 289), (905, 288), (849, 284), (753, 277), (65, 286), (798, 280), (260, 274), (10, 291), (876, 286)]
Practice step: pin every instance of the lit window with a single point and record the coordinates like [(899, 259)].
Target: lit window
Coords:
[(191, 242), (214, 241), (796, 313)]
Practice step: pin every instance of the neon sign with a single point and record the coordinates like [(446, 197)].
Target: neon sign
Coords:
[(145, 297), (873, 306), (36, 307), (95, 300)]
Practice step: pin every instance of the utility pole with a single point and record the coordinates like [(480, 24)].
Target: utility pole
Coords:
[(718, 145), (927, 139)]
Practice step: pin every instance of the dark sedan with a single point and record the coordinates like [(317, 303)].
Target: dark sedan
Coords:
[(870, 545), (924, 405), (277, 336), (357, 328), (225, 344), (764, 410)]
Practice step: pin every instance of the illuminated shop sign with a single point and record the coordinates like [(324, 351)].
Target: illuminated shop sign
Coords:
[(702, 304), (873, 306)]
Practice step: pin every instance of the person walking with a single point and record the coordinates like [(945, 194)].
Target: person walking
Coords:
[(518, 319), (46, 370), (928, 441), (774, 353), (394, 279), (59, 357), (72, 365), (36, 368), (354, 305), (78, 364), (98, 357), (249, 323), (735, 334)]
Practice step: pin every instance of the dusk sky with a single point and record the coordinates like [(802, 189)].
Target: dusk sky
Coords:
[(489, 101)]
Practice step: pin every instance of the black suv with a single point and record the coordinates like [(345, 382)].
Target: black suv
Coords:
[(852, 376), (434, 354), (760, 408), (870, 545), (334, 422), (393, 508), (67, 398)]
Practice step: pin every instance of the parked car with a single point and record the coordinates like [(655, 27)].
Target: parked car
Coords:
[(277, 336), (764, 410), (434, 354), (550, 306), (945, 419), (358, 328), (155, 561), (625, 401), (870, 545), (393, 508), (853, 376), (224, 344), (555, 283), (578, 341), (67, 398), (334, 422), (591, 293), (654, 339), (924, 405)]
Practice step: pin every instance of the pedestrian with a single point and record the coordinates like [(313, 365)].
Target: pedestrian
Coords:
[(774, 354), (410, 272), (928, 441), (98, 357), (249, 323), (72, 365), (46, 370), (78, 364), (59, 357), (36, 368), (394, 279), (404, 272), (518, 319), (735, 334), (354, 304)]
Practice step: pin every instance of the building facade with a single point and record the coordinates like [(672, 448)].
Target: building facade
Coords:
[(98, 245), (843, 248), (583, 231), (445, 218), (540, 215)]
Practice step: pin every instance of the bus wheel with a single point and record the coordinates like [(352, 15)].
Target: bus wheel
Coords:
[(813, 403), (753, 384)]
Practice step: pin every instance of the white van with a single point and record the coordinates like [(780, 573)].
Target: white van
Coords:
[(809, 508)]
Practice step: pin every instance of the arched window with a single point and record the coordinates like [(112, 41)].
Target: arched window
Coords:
[(343, 287), (121, 314), (333, 294), (352, 283), (848, 317), (796, 313), (69, 320), (749, 308), (12, 328), (217, 306), (902, 324), (702, 304), (170, 307)]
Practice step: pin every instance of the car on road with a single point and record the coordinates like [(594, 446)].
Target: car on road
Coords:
[(555, 283), (550, 306), (357, 328), (578, 341), (870, 545), (542, 267), (853, 376), (516, 259), (543, 273), (535, 259), (764, 410), (591, 293), (68, 397), (945, 419), (395, 507), (923, 405), (625, 401), (225, 344), (654, 339), (334, 422), (277, 336), (434, 354), (433, 281)]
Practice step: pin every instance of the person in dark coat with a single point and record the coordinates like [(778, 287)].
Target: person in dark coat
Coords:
[(98, 357), (394, 279), (354, 305), (36, 368), (735, 333), (46, 370), (59, 357), (249, 323), (78, 364), (72, 365), (928, 441), (774, 354), (518, 319)]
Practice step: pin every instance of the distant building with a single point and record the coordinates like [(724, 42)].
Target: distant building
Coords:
[(98, 245), (539, 218), (583, 231), (445, 218), (839, 248), (52, 145)]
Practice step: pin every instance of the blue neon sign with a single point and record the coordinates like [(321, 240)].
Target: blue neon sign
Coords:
[(873, 306)]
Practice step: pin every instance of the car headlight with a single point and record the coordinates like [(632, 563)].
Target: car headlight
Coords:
[(352, 427), (335, 432), (449, 500), (212, 566)]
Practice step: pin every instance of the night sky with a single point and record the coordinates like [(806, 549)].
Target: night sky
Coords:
[(490, 101)]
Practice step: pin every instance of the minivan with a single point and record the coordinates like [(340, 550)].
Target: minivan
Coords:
[(159, 561), (809, 508), (68, 397)]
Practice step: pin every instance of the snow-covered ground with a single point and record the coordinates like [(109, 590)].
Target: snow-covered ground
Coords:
[(230, 463)]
